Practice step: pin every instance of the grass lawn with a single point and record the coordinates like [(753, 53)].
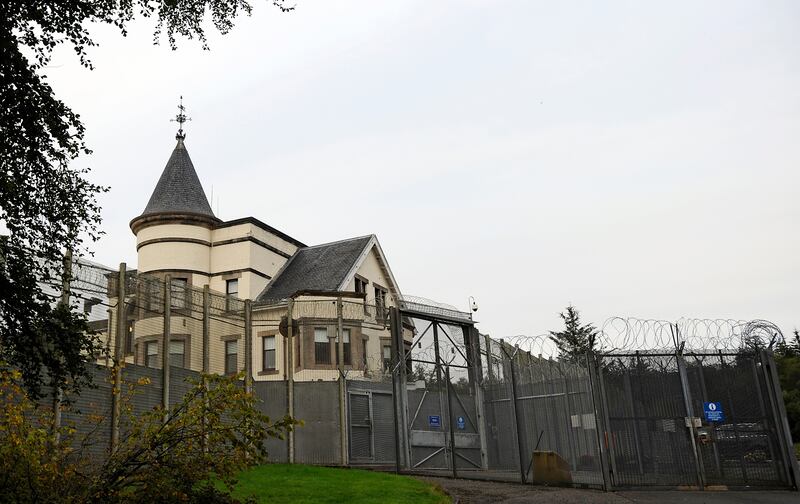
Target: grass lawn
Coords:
[(284, 483)]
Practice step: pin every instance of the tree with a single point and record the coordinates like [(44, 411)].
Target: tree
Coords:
[(576, 339), (46, 204)]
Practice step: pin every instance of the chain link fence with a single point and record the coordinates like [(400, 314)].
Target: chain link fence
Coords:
[(417, 389)]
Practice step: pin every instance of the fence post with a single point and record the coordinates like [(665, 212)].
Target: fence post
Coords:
[(248, 347), (781, 420), (608, 433), (599, 419), (116, 370), (206, 328), (66, 277), (165, 345), (488, 357), (290, 373), (206, 360), (523, 469), (687, 401), (342, 385)]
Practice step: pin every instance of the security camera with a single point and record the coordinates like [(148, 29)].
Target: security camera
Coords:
[(473, 305)]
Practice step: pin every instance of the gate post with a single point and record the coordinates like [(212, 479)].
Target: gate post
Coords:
[(687, 401), (398, 382), (781, 421), (472, 333), (448, 386), (400, 390)]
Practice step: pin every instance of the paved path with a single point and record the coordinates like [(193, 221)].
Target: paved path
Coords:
[(489, 492)]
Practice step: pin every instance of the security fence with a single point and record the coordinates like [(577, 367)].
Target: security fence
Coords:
[(417, 389)]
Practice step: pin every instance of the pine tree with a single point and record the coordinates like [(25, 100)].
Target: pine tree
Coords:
[(576, 339)]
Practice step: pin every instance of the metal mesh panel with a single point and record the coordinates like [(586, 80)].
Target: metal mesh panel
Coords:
[(372, 442), (317, 405), (360, 426), (272, 402), (90, 414), (742, 449), (649, 441)]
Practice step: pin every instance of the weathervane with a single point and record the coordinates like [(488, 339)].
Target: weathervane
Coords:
[(180, 119)]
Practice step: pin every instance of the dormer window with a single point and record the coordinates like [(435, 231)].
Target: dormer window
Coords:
[(361, 285), (380, 300)]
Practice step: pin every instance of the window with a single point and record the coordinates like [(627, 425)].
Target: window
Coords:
[(380, 302), (178, 293), (151, 354), (231, 293), (322, 346), (345, 347), (268, 349), (231, 356), (387, 358), (361, 286), (177, 353), (128, 344)]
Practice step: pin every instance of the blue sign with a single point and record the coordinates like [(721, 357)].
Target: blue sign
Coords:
[(435, 421), (460, 423), (713, 412)]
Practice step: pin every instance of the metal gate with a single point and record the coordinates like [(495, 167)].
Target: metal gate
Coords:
[(372, 437), (695, 420), (434, 370)]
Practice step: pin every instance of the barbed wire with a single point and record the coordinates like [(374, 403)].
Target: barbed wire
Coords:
[(619, 334)]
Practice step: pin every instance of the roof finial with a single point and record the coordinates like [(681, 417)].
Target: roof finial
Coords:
[(180, 119)]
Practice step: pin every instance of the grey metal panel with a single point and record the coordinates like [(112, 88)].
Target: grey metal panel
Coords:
[(317, 405), (430, 439), (272, 402), (360, 426), (383, 433)]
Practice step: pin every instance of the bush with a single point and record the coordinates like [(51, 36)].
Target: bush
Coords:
[(165, 456)]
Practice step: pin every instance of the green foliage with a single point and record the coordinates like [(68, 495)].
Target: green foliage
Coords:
[(787, 359), (284, 483), (213, 433), (33, 467), (46, 203), (575, 340)]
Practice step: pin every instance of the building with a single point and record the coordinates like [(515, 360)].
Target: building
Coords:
[(178, 236)]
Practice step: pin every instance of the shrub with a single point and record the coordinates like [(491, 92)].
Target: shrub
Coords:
[(164, 456)]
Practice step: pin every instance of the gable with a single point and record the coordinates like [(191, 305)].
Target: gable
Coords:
[(374, 267), (319, 268)]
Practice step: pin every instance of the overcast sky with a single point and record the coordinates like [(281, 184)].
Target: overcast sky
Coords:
[(631, 158)]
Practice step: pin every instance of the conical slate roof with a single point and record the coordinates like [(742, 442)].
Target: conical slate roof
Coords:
[(179, 189)]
